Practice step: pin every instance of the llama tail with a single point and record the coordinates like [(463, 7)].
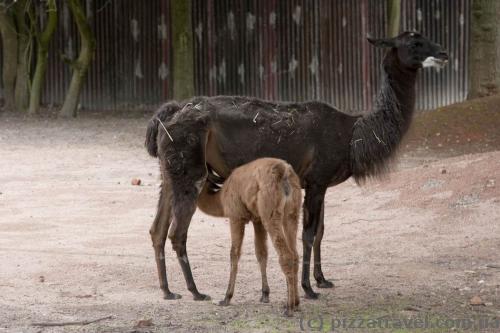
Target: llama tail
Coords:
[(151, 135), (163, 114), (286, 177)]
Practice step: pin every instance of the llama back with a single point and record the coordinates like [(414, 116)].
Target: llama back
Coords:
[(263, 187)]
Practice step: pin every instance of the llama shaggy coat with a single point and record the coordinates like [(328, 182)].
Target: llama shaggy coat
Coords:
[(324, 145), (266, 192)]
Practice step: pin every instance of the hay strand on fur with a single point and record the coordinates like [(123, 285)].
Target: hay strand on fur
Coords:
[(166, 131)]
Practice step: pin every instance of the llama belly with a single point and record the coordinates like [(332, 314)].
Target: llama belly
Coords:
[(213, 157), (227, 150)]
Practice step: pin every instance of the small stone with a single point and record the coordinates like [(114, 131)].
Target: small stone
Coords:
[(476, 300), (443, 171), (488, 303), (136, 182), (480, 281), (489, 183), (41, 278)]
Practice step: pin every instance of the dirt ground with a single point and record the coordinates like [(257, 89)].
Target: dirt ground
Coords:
[(74, 242)]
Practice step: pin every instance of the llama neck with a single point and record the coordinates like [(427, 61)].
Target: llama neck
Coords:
[(376, 136), (210, 202), (396, 98)]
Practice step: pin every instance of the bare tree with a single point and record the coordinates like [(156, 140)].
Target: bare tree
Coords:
[(394, 11), (81, 64), (182, 38), (484, 57), (9, 41), (24, 53), (42, 39)]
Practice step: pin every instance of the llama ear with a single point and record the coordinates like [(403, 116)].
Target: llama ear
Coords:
[(382, 42)]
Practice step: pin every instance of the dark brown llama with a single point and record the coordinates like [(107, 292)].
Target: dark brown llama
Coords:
[(267, 192), (324, 146)]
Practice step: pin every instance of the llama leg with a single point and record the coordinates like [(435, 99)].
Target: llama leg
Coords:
[(158, 234), (318, 273), (312, 210), (183, 213), (237, 233), (187, 173), (290, 230), (286, 260), (261, 254)]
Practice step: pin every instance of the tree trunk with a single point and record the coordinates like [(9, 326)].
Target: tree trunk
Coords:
[(24, 49), (394, 8), (9, 41), (182, 38), (484, 56), (42, 55), (81, 64)]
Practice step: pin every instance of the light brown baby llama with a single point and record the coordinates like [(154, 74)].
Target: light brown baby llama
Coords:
[(266, 192)]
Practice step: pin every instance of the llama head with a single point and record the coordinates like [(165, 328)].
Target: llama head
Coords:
[(414, 50)]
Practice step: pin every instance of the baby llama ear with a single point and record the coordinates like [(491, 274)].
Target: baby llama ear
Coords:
[(382, 42)]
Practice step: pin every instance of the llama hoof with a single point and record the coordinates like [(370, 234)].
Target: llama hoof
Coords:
[(201, 297), (325, 284), (311, 295), (288, 312), (264, 299), (224, 302), (169, 295)]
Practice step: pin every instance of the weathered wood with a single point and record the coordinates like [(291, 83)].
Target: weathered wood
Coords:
[(71, 323)]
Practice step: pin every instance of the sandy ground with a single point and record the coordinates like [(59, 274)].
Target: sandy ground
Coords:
[(74, 242)]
